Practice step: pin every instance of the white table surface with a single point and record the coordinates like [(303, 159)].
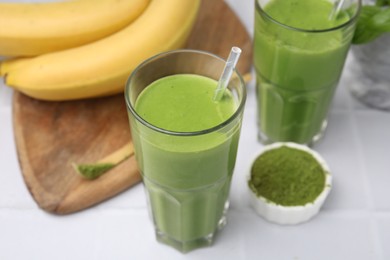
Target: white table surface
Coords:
[(353, 224)]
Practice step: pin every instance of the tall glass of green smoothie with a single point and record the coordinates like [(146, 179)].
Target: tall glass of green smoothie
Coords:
[(299, 54), (185, 143)]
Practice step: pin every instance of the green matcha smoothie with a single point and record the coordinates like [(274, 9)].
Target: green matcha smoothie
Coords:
[(186, 175), (298, 59)]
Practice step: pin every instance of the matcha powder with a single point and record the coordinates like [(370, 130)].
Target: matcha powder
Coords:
[(287, 176)]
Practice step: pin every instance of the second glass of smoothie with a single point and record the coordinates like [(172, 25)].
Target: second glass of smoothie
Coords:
[(299, 54), (185, 143)]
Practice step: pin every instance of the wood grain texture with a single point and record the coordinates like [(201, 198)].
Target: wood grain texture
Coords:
[(49, 136)]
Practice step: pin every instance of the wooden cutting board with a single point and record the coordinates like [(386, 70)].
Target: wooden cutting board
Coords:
[(50, 136)]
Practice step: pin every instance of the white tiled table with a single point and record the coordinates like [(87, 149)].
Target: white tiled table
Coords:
[(354, 223)]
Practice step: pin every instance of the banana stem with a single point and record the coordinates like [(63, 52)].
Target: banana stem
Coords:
[(119, 155)]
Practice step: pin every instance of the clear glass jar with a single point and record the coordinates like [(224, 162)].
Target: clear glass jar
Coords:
[(371, 69)]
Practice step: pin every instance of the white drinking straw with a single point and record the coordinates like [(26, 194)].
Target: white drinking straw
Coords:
[(227, 73), (338, 4)]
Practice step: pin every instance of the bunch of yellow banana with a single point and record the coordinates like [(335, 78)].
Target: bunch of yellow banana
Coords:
[(35, 28), (101, 68)]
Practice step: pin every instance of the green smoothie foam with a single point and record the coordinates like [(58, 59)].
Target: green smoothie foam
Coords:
[(180, 103), (297, 70), (187, 178)]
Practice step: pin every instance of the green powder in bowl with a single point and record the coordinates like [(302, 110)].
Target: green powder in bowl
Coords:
[(288, 183)]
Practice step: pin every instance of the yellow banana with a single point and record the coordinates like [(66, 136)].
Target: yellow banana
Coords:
[(28, 29), (102, 68)]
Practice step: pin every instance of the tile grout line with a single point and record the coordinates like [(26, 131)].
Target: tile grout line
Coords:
[(377, 243), (7, 208), (114, 211), (142, 209)]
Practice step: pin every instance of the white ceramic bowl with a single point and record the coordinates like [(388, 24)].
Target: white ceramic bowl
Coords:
[(290, 214)]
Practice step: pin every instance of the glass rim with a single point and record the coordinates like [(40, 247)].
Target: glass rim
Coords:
[(351, 20), (177, 133)]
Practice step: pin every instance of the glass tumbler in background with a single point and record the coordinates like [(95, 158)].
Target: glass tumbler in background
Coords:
[(299, 54), (186, 175)]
